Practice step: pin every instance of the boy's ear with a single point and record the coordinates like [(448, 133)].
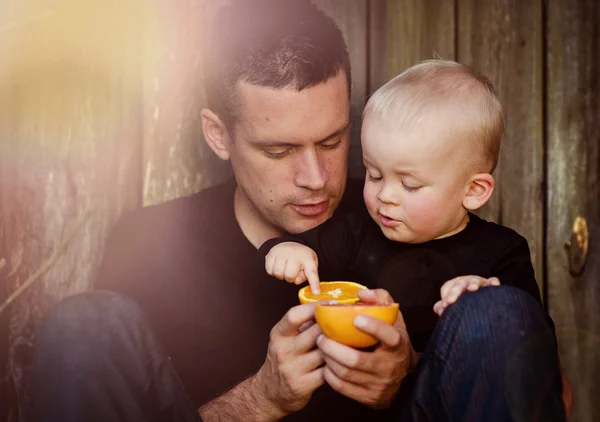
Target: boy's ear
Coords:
[(215, 133), (479, 190)]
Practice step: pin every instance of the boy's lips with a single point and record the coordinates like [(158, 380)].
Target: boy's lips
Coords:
[(312, 209), (387, 221)]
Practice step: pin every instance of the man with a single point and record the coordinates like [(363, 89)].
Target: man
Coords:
[(190, 284), (278, 88)]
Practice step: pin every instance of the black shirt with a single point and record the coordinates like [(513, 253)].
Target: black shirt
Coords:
[(207, 296), (351, 246)]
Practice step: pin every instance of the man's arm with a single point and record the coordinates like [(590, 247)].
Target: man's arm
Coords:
[(242, 403), (285, 383)]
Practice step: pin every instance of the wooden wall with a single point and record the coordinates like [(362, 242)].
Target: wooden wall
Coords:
[(573, 190), (99, 113)]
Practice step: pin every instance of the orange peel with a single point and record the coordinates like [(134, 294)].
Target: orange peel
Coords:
[(337, 321)]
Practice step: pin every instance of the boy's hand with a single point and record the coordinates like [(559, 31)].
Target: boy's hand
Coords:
[(452, 289), (294, 263)]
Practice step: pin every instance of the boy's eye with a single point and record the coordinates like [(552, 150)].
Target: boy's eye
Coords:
[(411, 188), (373, 178)]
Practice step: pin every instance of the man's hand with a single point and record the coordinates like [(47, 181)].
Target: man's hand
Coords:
[(372, 378), (294, 263), (285, 382), (291, 370), (452, 289)]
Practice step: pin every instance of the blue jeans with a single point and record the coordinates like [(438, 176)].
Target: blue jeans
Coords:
[(493, 357)]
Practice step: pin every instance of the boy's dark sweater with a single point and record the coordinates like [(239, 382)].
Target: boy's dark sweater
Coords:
[(352, 247)]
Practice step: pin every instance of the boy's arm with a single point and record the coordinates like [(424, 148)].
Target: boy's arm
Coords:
[(335, 242)]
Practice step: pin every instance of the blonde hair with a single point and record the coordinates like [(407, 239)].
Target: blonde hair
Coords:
[(435, 85)]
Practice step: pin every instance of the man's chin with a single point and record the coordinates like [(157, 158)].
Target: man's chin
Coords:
[(300, 225)]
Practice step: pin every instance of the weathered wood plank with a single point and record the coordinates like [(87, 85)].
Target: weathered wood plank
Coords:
[(351, 16), (70, 131), (573, 66), (503, 39), (177, 161), (9, 405), (405, 32)]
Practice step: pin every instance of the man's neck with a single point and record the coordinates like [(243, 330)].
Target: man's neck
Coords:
[(252, 224)]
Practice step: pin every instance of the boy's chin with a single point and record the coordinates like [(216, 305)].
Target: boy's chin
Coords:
[(400, 234)]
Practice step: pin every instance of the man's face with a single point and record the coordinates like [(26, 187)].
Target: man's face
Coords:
[(289, 153)]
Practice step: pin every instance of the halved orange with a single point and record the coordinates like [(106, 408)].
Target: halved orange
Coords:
[(341, 291), (337, 321)]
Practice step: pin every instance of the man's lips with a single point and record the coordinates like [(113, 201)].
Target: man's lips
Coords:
[(387, 221), (313, 209)]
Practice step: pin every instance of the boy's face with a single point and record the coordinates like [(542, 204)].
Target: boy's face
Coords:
[(289, 154), (416, 178)]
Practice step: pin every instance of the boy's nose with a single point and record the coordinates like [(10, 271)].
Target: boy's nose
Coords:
[(386, 195)]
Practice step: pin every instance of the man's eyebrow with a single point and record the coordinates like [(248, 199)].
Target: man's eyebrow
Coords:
[(335, 134), (273, 144)]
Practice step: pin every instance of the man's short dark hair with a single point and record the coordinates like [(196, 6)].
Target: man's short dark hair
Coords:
[(273, 43)]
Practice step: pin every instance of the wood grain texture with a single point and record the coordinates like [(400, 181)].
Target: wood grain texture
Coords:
[(573, 67), (503, 39), (9, 404), (70, 132), (351, 16), (177, 162), (405, 32)]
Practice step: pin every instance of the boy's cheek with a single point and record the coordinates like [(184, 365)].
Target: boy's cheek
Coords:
[(370, 200), (422, 213)]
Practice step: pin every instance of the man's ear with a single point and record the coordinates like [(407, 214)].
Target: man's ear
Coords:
[(215, 133), (479, 190)]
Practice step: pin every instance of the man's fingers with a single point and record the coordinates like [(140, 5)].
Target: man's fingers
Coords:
[(312, 274), (345, 355), (345, 388), (313, 380), (385, 333), (375, 296), (308, 362), (293, 319), (347, 374), (307, 339), (306, 326)]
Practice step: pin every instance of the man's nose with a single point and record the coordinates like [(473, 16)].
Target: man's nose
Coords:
[(311, 172)]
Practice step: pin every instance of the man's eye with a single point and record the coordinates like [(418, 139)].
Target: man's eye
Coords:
[(332, 144), (277, 153)]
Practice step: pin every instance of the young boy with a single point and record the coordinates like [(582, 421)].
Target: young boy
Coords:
[(431, 139)]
